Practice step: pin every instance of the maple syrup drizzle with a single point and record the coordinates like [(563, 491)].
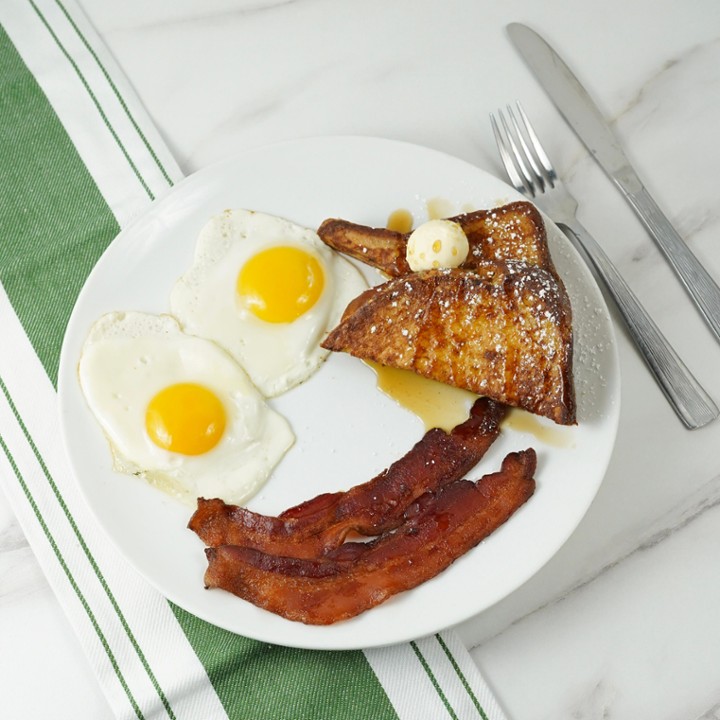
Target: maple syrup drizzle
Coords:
[(436, 404), (525, 422), (400, 220)]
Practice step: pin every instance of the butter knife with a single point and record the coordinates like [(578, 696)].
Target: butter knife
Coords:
[(584, 117)]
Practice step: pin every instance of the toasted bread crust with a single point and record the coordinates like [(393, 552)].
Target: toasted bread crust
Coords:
[(378, 247), (505, 334), (513, 232)]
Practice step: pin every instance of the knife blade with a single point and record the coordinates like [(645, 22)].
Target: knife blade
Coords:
[(588, 123)]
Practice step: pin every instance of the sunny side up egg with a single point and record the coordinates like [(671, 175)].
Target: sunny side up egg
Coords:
[(267, 291), (178, 410)]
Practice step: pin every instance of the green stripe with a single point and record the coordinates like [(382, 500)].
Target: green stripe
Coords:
[(462, 677), (54, 223), (84, 547), (268, 682), (71, 579), (433, 680), (99, 108), (117, 94)]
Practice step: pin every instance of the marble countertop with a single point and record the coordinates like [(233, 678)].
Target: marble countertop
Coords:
[(623, 622)]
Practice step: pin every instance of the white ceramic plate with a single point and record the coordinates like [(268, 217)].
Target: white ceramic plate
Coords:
[(346, 430)]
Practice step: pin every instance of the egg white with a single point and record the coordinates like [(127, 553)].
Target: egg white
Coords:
[(276, 356), (128, 358)]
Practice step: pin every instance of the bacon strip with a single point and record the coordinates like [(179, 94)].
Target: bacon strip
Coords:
[(439, 528), (316, 526)]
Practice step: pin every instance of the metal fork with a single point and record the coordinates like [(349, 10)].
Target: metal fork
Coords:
[(531, 173)]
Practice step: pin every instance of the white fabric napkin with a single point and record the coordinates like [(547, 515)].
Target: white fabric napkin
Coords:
[(81, 159)]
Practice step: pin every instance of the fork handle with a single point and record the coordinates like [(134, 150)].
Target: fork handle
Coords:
[(687, 397), (701, 287)]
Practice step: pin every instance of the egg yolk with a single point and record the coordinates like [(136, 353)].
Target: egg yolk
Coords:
[(185, 418), (281, 283)]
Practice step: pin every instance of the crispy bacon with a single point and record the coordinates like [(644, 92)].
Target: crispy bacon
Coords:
[(316, 526), (438, 528)]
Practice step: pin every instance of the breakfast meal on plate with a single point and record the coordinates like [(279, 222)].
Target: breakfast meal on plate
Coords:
[(473, 301), (320, 525), (505, 334), (513, 232), (438, 528), (266, 290), (177, 410)]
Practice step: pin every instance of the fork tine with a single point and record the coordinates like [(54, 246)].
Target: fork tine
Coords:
[(529, 155), (529, 177), (518, 182), (538, 151)]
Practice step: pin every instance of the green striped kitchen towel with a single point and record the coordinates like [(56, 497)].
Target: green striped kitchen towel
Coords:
[(80, 159)]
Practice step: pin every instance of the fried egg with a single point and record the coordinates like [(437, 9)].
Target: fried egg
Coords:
[(178, 410), (268, 291)]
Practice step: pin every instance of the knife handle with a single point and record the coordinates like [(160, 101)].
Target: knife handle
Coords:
[(688, 398), (697, 281)]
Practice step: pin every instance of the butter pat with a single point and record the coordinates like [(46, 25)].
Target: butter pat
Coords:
[(437, 244)]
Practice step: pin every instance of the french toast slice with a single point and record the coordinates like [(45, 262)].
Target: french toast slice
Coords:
[(511, 232), (505, 334)]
